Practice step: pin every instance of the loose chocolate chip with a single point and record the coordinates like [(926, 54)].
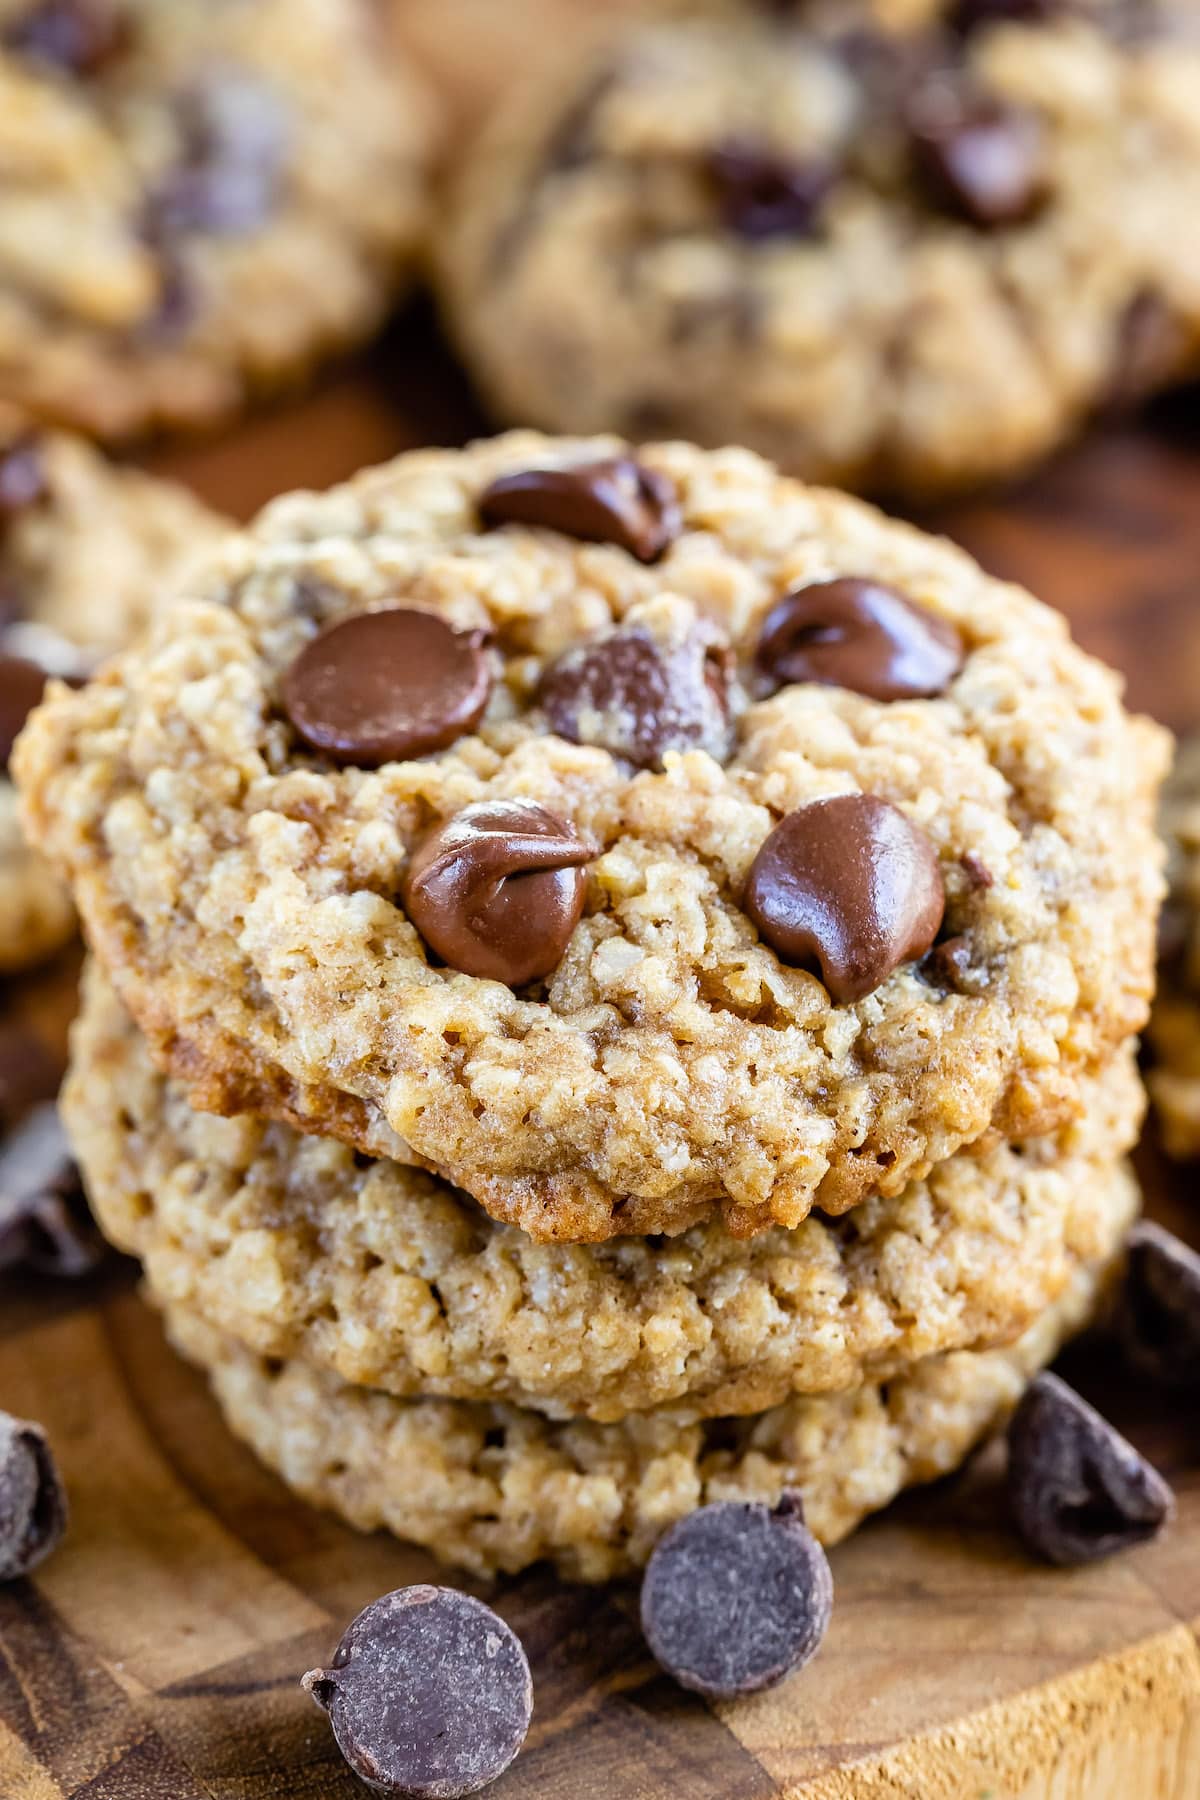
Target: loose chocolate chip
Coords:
[(859, 634), (385, 686), (1159, 1310), (949, 965), (44, 1221), (639, 698), (233, 150), (979, 157), (736, 1596), (764, 194), (614, 501), (22, 684), (851, 885), (498, 890), (78, 36), (429, 1694), (33, 1502), (23, 481), (1078, 1490)]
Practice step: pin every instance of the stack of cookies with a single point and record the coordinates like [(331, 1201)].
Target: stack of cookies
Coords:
[(613, 984)]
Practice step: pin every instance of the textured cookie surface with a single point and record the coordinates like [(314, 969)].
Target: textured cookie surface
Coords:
[(494, 1488), (390, 1279), (903, 261), (191, 207), (1175, 1024), (244, 891)]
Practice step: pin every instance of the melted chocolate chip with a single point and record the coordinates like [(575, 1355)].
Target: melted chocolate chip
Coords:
[(22, 684), (23, 480), (850, 885), (764, 194), (233, 150), (498, 890), (736, 1596), (979, 158), (77, 36), (638, 698), (385, 686), (44, 1221), (1078, 1490), (859, 634), (615, 501), (33, 1501), (1159, 1312), (429, 1694)]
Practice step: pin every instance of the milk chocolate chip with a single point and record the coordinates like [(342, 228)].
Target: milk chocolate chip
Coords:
[(33, 1502), (615, 501), (639, 698), (385, 686), (498, 890), (979, 157), (1159, 1311), (850, 885), (429, 1694), (765, 194), (859, 634), (22, 684)]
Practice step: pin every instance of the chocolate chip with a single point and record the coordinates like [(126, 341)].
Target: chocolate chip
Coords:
[(978, 875), (979, 157), (33, 1502), (23, 480), (736, 1596), (640, 698), (78, 36), (859, 634), (850, 885), (1078, 1490), (233, 150), (614, 501), (764, 194), (22, 684), (498, 890), (385, 686), (1159, 1310), (429, 1694), (44, 1221)]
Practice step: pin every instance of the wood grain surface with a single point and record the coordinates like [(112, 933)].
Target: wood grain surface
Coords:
[(157, 1655)]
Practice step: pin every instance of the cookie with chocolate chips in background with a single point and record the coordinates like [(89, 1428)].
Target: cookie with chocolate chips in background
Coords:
[(906, 249), (585, 946), (193, 210)]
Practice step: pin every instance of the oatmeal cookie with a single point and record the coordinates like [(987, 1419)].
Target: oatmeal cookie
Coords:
[(1175, 1023), (905, 262), (756, 857), (200, 198), (389, 1279), (83, 546), (494, 1488)]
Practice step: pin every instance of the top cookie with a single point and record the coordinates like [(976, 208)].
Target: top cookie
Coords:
[(199, 197), (905, 261), (622, 835)]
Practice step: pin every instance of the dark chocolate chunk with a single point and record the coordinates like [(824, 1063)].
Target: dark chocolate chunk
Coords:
[(77, 36), (978, 875), (849, 885), (22, 684), (614, 501), (33, 1502), (44, 1221), (498, 890), (765, 194), (640, 698), (1078, 1490), (23, 481), (228, 178), (858, 634), (1159, 1310), (979, 157), (736, 1596), (386, 686), (429, 1694)]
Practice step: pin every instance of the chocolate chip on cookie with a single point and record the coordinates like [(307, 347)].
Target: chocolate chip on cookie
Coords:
[(640, 698), (978, 156), (44, 1221), (498, 890), (614, 501), (1078, 1490), (33, 1502), (859, 634), (850, 884), (385, 686), (765, 194), (233, 146), (23, 480), (429, 1694), (736, 1596), (1159, 1312), (79, 36), (22, 684)]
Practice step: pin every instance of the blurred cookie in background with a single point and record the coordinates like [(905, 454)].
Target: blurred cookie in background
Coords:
[(1174, 1081), (197, 200)]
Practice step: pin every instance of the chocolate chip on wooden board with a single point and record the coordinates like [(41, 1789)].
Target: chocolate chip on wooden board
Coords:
[(1078, 1490), (1158, 1313), (764, 193), (44, 1221), (429, 1694), (736, 1596), (979, 157), (33, 1502)]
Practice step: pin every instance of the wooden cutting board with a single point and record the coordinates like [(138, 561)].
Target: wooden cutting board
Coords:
[(156, 1656)]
